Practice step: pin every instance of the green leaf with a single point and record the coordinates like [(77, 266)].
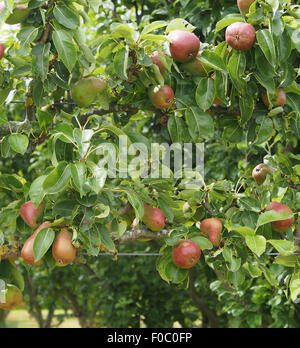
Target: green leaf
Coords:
[(284, 247), (78, 173), (153, 26), (272, 215), (121, 63), (65, 47), (225, 22), (205, 93), (42, 243), (213, 60), (41, 53), (246, 107), (58, 179), (202, 242), (257, 244), (67, 16), (295, 285), (36, 191), (287, 261), (266, 43), (200, 123), (19, 143), (175, 274)]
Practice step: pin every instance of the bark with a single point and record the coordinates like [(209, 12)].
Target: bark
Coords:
[(208, 314)]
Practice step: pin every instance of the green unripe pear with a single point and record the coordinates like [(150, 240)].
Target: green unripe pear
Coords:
[(195, 67), (85, 91), (13, 297), (19, 14)]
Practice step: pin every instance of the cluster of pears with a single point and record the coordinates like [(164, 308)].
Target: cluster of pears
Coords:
[(63, 250), (19, 14), (184, 47), (187, 253)]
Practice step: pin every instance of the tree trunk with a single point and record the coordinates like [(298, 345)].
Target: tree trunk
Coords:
[(208, 314), (3, 315)]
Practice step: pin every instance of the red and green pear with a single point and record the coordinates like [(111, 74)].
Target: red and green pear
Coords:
[(157, 61), (195, 67), (153, 218), (278, 100), (30, 214), (184, 45), (212, 228), (63, 250), (162, 97), (244, 5), (283, 225), (27, 251), (186, 254), (240, 36)]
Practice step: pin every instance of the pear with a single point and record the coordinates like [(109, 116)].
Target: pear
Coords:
[(281, 225), (2, 50), (85, 91), (27, 250), (63, 250), (19, 14), (153, 218), (13, 297), (212, 228), (260, 173), (162, 97), (30, 214), (184, 45), (186, 254)]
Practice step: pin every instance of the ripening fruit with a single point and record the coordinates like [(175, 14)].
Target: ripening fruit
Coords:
[(284, 225), (184, 45), (195, 67), (240, 35), (27, 250), (30, 214), (278, 100), (13, 297), (2, 50), (186, 254), (162, 97), (63, 250), (85, 91), (244, 5), (153, 218), (19, 14), (260, 173), (157, 61), (212, 228)]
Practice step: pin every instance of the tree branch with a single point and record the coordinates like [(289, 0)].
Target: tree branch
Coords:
[(141, 233)]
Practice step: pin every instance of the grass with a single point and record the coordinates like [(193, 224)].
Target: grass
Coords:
[(20, 318)]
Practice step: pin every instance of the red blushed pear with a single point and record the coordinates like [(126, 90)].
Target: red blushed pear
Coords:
[(27, 250), (153, 218), (212, 228), (162, 97), (241, 36), (184, 45), (260, 173), (157, 61), (186, 254), (63, 250), (30, 214), (2, 50), (284, 225), (244, 5), (278, 100)]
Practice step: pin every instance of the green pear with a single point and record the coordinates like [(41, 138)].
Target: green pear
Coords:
[(13, 297), (19, 14), (85, 91)]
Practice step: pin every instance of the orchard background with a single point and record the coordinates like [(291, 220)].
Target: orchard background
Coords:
[(50, 133)]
